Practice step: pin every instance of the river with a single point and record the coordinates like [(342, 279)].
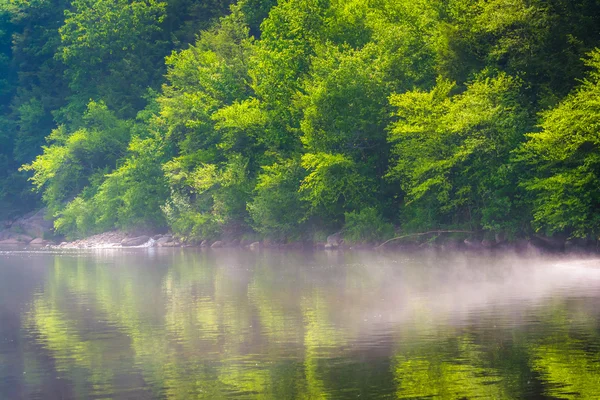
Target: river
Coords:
[(216, 324)]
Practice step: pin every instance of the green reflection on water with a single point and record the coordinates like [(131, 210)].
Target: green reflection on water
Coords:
[(212, 326), (572, 372)]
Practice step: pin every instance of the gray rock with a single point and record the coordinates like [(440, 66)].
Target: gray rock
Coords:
[(34, 224), (163, 240), (136, 241), (170, 244), (246, 242), (5, 235), (205, 243), (217, 245), (234, 243), (40, 242), (486, 244), (10, 241), (254, 246), (22, 238), (334, 240)]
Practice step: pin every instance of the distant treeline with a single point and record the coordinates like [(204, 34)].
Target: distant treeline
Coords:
[(293, 118)]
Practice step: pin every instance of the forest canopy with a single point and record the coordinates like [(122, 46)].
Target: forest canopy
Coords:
[(286, 119)]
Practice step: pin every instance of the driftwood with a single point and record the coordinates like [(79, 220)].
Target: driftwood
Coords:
[(420, 234)]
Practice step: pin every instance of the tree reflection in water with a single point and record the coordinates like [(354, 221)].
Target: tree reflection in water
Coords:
[(192, 324)]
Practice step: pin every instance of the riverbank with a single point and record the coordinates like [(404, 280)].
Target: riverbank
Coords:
[(34, 230), (335, 242)]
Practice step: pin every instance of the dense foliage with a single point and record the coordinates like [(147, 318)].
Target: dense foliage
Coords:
[(286, 119)]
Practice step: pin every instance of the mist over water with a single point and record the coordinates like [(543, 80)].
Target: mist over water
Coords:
[(181, 324)]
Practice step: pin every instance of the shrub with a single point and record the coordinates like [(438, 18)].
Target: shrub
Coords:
[(366, 225)]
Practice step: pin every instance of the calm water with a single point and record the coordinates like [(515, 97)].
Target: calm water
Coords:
[(190, 324)]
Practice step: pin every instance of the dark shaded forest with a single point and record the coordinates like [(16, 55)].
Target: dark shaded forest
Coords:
[(289, 120)]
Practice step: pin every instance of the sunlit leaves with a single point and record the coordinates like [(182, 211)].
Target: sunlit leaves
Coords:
[(452, 152), (565, 155)]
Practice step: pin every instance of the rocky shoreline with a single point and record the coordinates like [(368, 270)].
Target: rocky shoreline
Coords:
[(35, 231), (118, 239)]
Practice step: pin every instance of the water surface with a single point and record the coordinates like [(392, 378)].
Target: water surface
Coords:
[(215, 324)]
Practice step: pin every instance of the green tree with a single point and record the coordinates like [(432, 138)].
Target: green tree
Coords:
[(213, 125), (565, 161), (113, 51), (452, 154), (76, 161), (277, 208)]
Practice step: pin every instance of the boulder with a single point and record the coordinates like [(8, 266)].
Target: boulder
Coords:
[(234, 243), (170, 244), (334, 240), (22, 238), (33, 224), (40, 242), (268, 243), (254, 246), (246, 242), (136, 241), (10, 241), (163, 240), (217, 245), (205, 243), (5, 235)]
